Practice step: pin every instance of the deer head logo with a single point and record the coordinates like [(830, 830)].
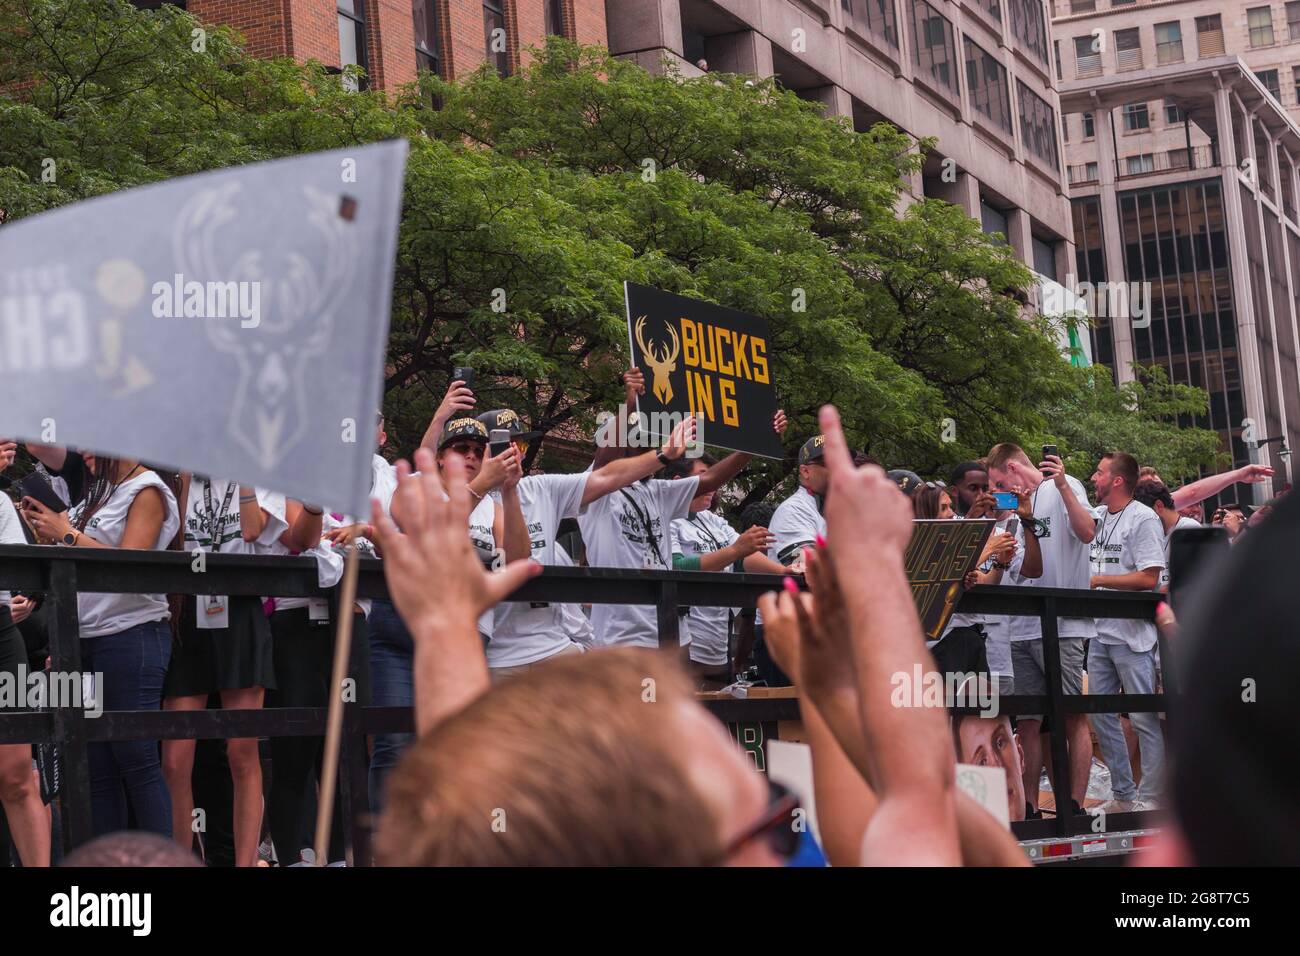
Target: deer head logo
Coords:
[(661, 366)]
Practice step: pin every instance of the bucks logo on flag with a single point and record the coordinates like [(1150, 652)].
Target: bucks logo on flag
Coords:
[(250, 305)]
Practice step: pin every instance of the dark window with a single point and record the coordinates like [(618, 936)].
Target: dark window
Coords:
[(1029, 26), (1173, 114), (935, 50), (874, 18), (1089, 129), (1136, 117), (352, 39), (428, 52), (494, 35), (1038, 125), (1044, 257), (1269, 79), (555, 17), (992, 220), (986, 84)]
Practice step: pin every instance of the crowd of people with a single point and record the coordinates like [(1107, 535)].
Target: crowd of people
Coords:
[(571, 722)]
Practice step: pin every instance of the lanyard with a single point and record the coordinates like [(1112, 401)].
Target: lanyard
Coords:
[(650, 536), (1106, 537), (700, 524), (216, 523)]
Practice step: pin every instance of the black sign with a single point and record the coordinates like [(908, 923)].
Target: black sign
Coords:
[(701, 358), (939, 556)]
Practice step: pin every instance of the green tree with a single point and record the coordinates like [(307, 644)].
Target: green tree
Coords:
[(530, 199)]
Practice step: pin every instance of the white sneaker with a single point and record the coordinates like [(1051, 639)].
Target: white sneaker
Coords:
[(1145, 805), (1119, 806)]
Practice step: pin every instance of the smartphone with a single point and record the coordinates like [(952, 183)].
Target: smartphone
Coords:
[(35, 486), (498, 441), (1191, 552), (1013, 525), (465, 375), (1007, 500)]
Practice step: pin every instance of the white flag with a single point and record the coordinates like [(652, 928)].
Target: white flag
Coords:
[(232, 323)]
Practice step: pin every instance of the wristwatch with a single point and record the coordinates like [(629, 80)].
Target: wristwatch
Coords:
[(663, 459), (70, 538)]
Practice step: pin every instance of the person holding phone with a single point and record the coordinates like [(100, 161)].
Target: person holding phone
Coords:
[(126, 641), (1063, 522), (20, 795), (223, 646)]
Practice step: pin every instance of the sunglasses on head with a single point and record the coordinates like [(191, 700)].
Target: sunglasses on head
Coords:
[(935, 484), (776, 825)]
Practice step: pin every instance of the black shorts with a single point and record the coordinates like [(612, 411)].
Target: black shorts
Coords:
[(13, 655)]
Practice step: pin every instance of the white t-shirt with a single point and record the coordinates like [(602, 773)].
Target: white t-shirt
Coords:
[(795, 525), (1065, 561), (101, 614), (1128, 540), (485, 546), (523, 634), (1182, 522), (383, 482), (704, 533), (11, 532), (630, 529), (223, 499), (573, 618), (997, 627)]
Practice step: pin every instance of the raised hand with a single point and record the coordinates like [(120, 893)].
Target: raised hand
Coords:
[(755, 540), (459, 398), (498, 468), (682, 437), (1053, 469)]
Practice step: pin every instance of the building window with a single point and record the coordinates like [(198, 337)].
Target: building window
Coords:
[(1030, 27), (1293, 21), (494, 35), (1143, 163), (1209, 36), (994, 7), (1087, 56), (1269, 79), (935, 50), (1091, 171), (1295, 79), (992, 220), (1259, 20), (1037, 125), (1173, 114), (1128, 49), (1180, 158), (876, 18), (1089, 130), (555, 17), (987, 86), (428, 52), (1169, 42), (1044, 257), (1056, 45), (1083, 6), (352, 39), (1136, 117)]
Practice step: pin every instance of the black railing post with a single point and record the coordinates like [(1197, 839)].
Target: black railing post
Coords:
[(1061, 782), (69, 720), (669, 633)]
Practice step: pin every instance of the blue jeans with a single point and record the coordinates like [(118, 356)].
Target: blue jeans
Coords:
[(133, 664), (1112, 669), (391, 653)]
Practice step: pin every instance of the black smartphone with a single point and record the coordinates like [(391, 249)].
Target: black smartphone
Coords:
[(1193, 551), (498, 441), (465, 375), (1049, 450), (1013, 525), (35, 486)]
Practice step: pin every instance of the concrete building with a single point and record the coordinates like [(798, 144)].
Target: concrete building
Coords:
[(392, 39), (1216, 238), (975, 74)]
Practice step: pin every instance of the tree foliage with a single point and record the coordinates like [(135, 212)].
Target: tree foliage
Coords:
[(548, 189)]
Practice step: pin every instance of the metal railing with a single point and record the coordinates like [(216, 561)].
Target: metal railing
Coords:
[(60, 573)]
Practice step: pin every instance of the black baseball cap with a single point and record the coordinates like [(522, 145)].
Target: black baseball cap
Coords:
[(505, 418), (458, 428), (812, 450), (907, 481)]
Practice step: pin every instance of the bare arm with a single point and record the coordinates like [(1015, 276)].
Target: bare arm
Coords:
[(1144, 580), (458, 399), (1198, 491), (304, 531), (252, 519), (514, 530), (53, 457)]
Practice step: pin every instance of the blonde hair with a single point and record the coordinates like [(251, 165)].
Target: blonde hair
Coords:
[(576, 762)]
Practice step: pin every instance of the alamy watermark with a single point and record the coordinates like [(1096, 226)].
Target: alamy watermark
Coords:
[(1126, 300), (208, 300), (922, 688), (38, 690), (630, 428)]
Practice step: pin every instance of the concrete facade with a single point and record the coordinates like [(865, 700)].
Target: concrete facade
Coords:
[(904, 62)]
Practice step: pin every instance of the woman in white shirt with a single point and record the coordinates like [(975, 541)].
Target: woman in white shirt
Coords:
[(126, 641), (29, 821), (223, 645)]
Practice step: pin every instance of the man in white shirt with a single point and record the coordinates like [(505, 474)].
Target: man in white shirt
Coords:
[(1064, 524), (797, 521), (631, 529), (1128, 554), (1153, 493)]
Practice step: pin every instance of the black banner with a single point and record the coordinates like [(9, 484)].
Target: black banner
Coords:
[(704, 359), (939, 556)]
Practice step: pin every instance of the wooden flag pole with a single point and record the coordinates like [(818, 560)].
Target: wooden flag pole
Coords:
[(334, 725)]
